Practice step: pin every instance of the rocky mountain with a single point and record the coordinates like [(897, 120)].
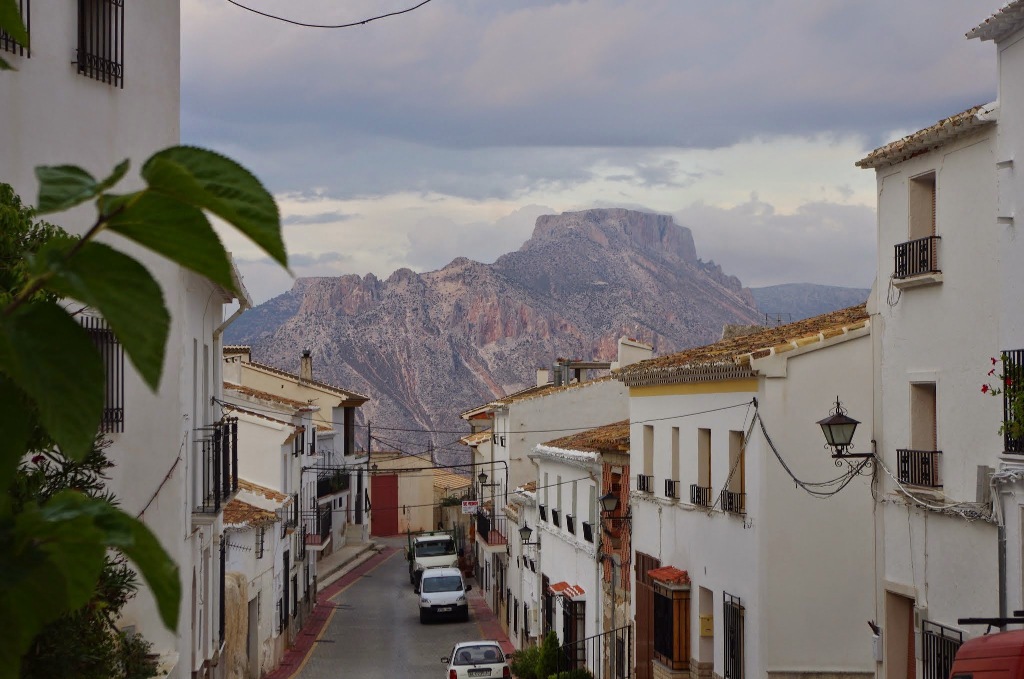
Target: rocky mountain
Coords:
[(796, 301), (427, 346)]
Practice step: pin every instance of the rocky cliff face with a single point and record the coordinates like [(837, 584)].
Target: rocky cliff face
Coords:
[(426, 346)]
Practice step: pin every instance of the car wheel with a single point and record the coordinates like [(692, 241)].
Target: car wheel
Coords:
[(423, 617)]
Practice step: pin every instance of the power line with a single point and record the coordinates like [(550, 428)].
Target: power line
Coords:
[(293, 22), (463, 433)]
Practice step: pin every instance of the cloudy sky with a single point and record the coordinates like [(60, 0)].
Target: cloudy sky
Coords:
[(446, 131)]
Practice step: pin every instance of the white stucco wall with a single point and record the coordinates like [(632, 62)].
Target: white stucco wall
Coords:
[(941, 334)]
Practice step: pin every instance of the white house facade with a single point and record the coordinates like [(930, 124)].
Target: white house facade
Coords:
[(740, 570), (93, 98)]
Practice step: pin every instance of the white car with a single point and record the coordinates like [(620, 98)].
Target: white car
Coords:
[(477, 660), (443, 593)]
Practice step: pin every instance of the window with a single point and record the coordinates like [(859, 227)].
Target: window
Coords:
[(674, 474), (100, 53), (574, 616), (549, 605), (672, 626), (261, 538), (734, 497), (918, 465), (7, 43), (939, 645), (919, 255), (648, 450), (733, 628), (700, 492), (526, 619), (515, 616), (112, 353)]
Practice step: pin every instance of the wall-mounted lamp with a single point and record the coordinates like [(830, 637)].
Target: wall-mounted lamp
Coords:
[(482, 478), (524, 534), (838, 429), (609, 503)]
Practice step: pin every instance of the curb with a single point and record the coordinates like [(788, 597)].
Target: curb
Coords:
[(340, 569)]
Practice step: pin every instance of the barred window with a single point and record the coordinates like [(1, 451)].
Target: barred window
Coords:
[(100, 53), (261, 539), (733, 610), (672, 626), (112, 353), (7, 43)]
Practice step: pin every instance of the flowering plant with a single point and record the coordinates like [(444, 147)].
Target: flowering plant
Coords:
[(1008, 381)]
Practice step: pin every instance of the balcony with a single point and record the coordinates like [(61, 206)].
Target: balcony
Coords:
[(700, 495), (1013, 401), (217, 469), (645, 483), (318, 535), (493, 530), (734, 503), (918, 468), (671, 489), (919, 257), (331, 482), (556, 519), (588, 531), (570, 523)]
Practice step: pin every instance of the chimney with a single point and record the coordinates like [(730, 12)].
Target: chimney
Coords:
[(633, 351), (543, 376), (306, 366)]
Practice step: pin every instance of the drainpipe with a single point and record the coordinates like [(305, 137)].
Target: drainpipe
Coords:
[(241, 294)]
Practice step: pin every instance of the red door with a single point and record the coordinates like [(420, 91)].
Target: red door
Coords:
[(384, 505)]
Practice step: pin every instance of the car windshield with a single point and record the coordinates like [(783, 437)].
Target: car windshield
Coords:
[(479, 654), (442, 583), (439, 548)]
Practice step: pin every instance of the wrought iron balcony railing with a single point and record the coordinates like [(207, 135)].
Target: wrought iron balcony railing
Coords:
[(329, 482), (1013, 398), (588, 531), (734, 502), (217, 472), (492, 529), (918, 467), (916, 257), (671, 489), (645, 483), (319, 528), (700, 495)]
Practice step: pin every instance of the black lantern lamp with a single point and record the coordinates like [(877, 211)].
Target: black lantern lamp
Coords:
[(609, 503), (838, 429), (524, 534)]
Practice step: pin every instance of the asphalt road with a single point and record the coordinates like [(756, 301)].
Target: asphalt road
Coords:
[(375, 631)]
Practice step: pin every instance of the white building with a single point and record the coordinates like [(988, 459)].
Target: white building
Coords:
[(741, 572), (341, 463), (948, 293), (275, 437), (93, 98)]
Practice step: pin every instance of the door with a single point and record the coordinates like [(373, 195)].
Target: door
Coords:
[(644, 620), (384, 510)]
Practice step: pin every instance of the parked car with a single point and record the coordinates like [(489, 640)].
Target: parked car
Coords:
[(477, 660), (993, 656), (443, 594)]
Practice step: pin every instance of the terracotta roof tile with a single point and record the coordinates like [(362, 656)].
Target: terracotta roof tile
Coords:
[(670, 575), (238, 513), (929, 138), (611, 438), (1008, 19), (731, 357), (567, 590), (475, 439), (257, 489), (344, 393), (449, 481), (267, 396)]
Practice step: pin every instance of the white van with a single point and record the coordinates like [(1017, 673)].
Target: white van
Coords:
[(443, 593)]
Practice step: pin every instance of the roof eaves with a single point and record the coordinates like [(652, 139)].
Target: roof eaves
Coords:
[(930, 138), (1006, 20)]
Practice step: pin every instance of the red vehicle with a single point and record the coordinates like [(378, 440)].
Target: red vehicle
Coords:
[(993, 656)]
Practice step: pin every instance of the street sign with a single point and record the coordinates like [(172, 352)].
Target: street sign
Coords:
[(470, 506)]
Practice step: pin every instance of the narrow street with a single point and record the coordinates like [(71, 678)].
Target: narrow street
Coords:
[(373, 627)]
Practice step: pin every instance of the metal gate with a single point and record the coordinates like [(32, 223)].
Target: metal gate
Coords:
[(607, 655)]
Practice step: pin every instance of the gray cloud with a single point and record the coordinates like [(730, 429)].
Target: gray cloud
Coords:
[(319, 218)]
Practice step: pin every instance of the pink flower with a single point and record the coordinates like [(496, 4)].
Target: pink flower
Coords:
[(1009, 382), (984, 388), (993, 359), (991, 372), (36, 459)]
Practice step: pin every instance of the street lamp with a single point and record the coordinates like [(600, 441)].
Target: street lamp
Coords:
[(838, 429), (609, 503), (524, 534)]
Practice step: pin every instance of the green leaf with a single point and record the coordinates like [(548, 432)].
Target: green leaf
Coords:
[(137, 542), (50, 357), (11, 22), (4, 66), (117, 175), (178, 231), (212, 182), (16, 421), (50, 560), (121, 289), (62, 187)]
